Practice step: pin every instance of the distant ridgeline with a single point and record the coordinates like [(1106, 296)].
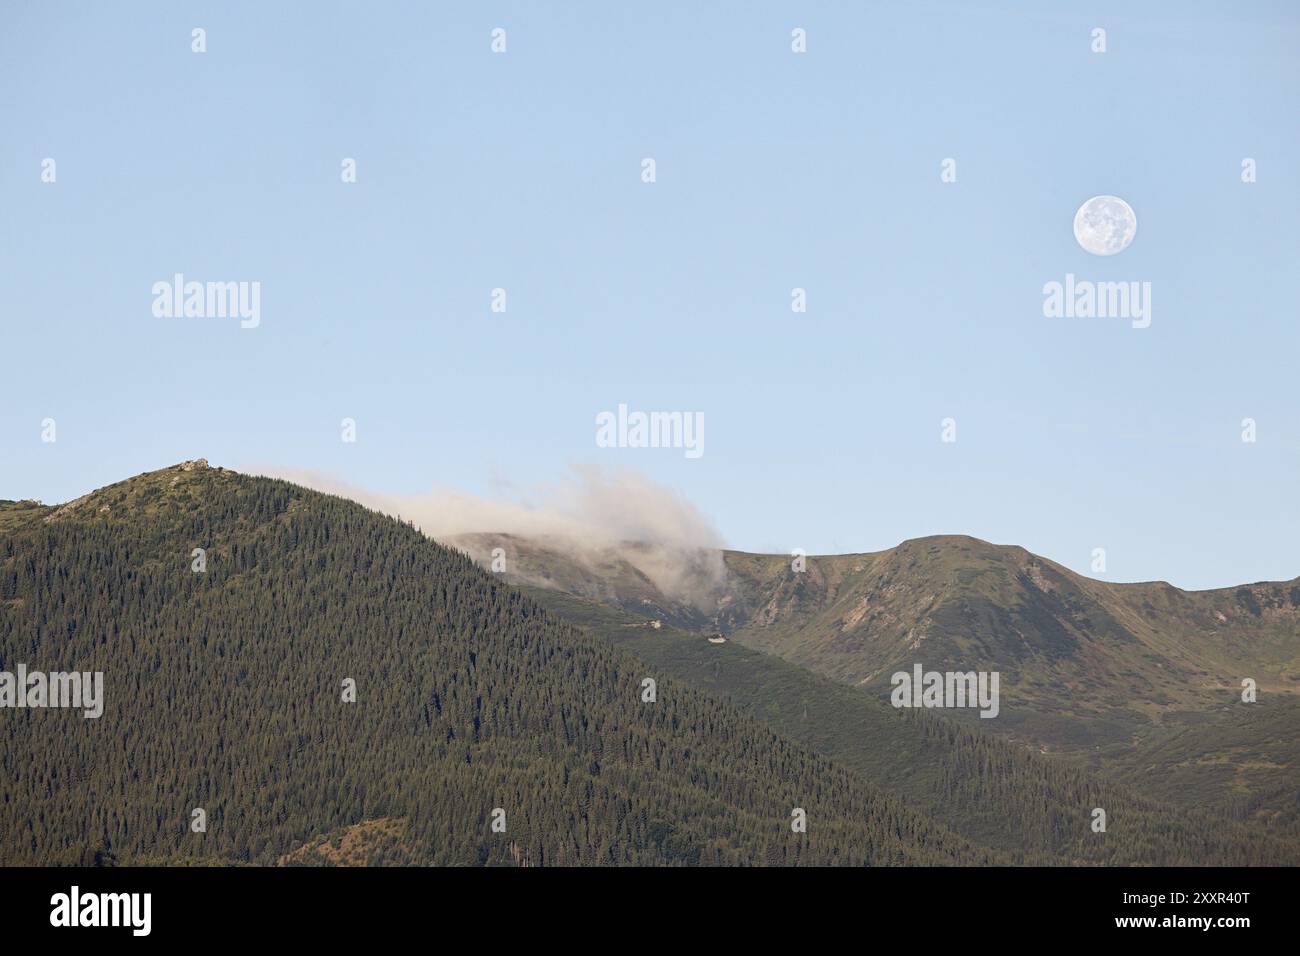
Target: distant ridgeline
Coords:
[(288, 677)]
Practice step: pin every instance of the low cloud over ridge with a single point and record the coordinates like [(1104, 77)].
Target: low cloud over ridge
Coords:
[(592, 516)]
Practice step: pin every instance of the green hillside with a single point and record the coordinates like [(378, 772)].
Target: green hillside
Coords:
[(223, 692), (1054, 634), (1142, 681), (986, 788), (1105, 674)]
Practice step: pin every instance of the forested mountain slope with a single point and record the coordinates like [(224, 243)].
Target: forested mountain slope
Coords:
[(223, 692), (988, 789)]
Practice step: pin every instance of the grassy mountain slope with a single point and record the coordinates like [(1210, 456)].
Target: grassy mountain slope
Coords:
[(223, 692), (1133, 678), (1054, 634)]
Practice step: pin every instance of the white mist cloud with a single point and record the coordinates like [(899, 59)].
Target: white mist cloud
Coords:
[(592, 516)]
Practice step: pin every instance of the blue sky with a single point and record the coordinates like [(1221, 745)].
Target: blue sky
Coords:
[(774, 170)]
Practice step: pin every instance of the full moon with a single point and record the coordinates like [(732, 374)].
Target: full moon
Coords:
[(1105, 225)]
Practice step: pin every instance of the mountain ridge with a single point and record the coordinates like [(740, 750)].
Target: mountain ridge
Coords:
[(1107, 674)]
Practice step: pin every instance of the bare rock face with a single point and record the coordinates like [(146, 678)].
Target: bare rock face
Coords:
[(198, 463)]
